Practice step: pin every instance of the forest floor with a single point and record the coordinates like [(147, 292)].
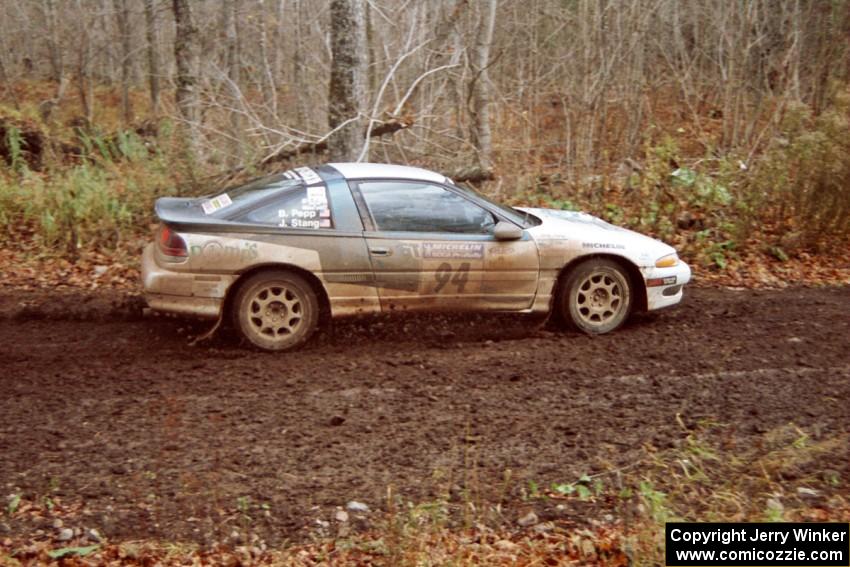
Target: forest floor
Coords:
[(112, 422)]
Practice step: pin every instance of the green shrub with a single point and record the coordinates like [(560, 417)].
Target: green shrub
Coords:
[(90, 205)]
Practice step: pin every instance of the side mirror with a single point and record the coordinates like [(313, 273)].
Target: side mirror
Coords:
[(507, 231)]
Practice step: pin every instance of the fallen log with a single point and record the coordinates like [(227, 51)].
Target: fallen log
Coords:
[(390, 126), (22, 141), (233, 175), (473, 174)]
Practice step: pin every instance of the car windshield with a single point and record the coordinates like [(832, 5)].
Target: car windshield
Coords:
[(525, 220)]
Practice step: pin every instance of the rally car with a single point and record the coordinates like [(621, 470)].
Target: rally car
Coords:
[(354, 238)]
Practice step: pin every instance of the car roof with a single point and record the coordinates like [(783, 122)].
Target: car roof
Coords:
[(387, 171)]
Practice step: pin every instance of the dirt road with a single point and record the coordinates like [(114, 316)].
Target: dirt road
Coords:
[(160, 439)]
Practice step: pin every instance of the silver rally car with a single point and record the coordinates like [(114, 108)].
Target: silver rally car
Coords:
[(354, 238)]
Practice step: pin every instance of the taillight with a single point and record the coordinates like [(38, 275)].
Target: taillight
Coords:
[(171, 243)]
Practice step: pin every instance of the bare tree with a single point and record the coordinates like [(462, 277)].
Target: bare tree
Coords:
[(581, 86), (348, 76), (152, 37), (54, 45), (85, 83), (230, 13), (268, 81), (480, 89), (122, 18)]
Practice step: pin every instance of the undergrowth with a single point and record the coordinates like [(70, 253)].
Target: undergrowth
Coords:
[(791, 198), (99, 202)]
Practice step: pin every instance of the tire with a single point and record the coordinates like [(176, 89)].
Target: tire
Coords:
[(596, 297), (275, 310)]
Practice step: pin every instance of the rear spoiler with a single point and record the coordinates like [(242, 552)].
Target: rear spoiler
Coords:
[(185, 212)]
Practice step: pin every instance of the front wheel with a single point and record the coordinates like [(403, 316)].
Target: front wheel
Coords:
[(596, 297), (276, 310)]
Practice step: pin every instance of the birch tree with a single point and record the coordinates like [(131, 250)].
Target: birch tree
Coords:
[(480, 87), (187, 62)]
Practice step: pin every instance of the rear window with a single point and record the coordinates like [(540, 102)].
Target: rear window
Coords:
[(258, 189), (299, 207)]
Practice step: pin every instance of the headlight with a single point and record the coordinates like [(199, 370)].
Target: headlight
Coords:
[(667, 261)]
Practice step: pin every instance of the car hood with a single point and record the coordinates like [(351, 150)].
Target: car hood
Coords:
[(593, 234)]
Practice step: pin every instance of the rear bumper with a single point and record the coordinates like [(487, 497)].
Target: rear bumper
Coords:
[(665, 286), (205, 307), (201, 295)]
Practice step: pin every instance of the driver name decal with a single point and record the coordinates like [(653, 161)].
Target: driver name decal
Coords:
[(313, 212)]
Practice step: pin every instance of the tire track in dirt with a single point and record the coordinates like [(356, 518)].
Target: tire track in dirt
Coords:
[(150, 432)]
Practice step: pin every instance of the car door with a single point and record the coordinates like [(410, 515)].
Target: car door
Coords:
[(433, 248)]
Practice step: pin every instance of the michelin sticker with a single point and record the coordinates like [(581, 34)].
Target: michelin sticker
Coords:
[(606, 245), (216, 203), (451, 250)]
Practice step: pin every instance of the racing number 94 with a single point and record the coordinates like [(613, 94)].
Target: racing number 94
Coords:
[(446, 275)]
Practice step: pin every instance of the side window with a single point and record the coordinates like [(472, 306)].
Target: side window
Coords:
[(421, 207), (304, 207)]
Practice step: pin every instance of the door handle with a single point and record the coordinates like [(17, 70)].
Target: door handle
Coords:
[(379, 251)]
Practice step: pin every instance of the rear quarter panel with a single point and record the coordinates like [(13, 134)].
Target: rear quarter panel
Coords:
[(339, 261)]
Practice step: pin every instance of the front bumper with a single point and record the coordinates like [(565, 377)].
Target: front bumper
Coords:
[(201, 295), (665, 286)]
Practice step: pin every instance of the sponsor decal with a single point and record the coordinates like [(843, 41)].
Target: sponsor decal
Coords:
[(409, 250), (603, 245), (308, 175), (451, 250), (216, 203), (316, 196), (215, 251), (501, 250)]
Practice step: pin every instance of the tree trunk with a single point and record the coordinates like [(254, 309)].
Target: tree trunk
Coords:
[(269, 84), (233, 74), (56, 61), (122, 16), (152, 36), (346, 99), (298, 79), (85, 88), (481, 137), (187, 63)]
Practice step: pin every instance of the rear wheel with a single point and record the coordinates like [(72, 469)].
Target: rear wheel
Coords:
[(276, 310), (596, 297)]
